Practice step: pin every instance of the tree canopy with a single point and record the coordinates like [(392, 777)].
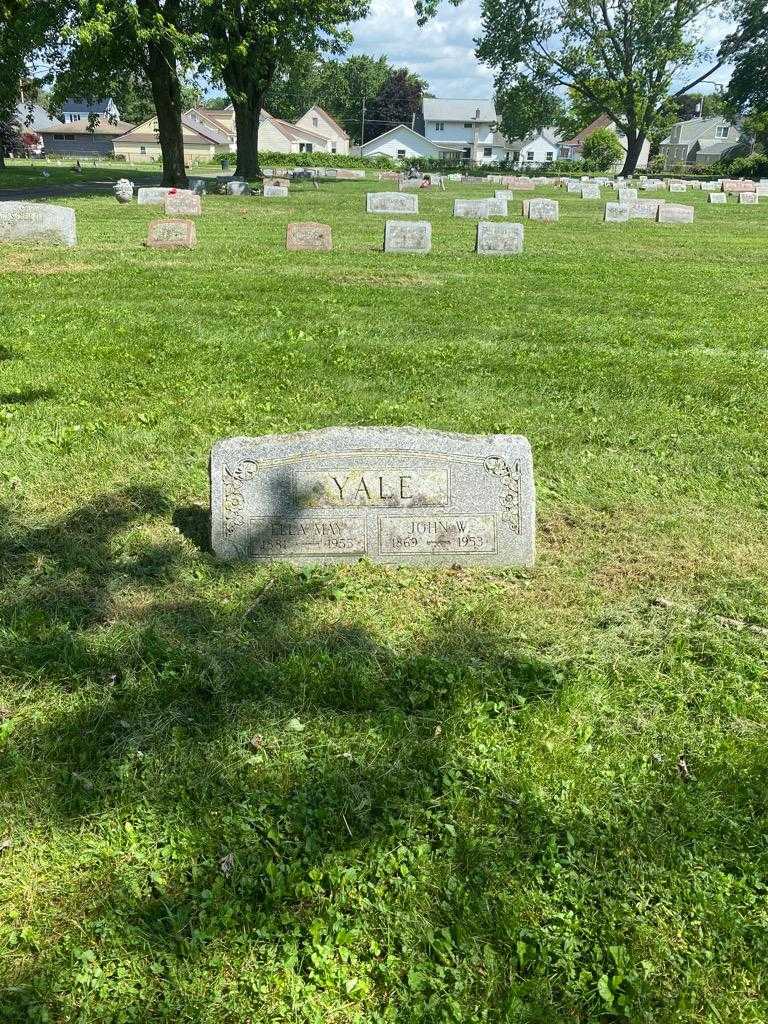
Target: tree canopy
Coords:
[(620, 56)]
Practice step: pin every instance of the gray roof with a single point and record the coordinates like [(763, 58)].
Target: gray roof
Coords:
[(458, 110), (716, 148), (32, 117), (72, 106), (696, 128)]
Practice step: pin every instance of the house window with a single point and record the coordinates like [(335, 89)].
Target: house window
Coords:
[(333, 147), (401, 154), (143, 150), (487, 151), (530, 156), (439, 126), (305, 147), (467, 124), (467, 153), (721, 132), (314, 122), (550, 156), (64, 138)]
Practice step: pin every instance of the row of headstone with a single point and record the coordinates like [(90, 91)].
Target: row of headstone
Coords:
[(493, 238), (648, 209), (394, 495)]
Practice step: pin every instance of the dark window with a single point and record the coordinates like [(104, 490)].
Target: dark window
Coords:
[(488, 151)]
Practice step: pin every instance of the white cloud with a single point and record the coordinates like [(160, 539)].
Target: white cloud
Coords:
[(442, 52)]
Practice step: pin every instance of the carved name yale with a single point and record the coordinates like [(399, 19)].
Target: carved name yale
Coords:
[(393, 495)]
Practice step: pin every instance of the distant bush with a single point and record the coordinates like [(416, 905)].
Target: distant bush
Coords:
[(267, 159), (601, 150), (755, 166)]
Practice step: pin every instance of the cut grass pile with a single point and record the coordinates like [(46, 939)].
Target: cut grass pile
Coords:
[(248, 793)]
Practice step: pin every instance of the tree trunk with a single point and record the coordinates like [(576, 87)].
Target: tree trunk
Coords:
[(247, 113), (166, 92), (635, 143)]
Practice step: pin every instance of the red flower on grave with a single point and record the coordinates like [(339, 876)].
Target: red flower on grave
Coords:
[(171, 191)]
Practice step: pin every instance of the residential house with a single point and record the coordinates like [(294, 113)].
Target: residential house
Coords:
[(536, 150), (464, 130), (202, 141), (83, 139), (401, 143), (698, 141), (33, 121), (573, 149), (318, 120), (73, 110)]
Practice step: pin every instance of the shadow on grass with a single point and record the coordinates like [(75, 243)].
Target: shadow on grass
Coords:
[(28, 397), (172, 672)]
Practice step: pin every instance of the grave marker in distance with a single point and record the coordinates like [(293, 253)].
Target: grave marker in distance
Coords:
[(675, 213), (184, 203), (396, 495), (152, 196), (308, 237), (391, 202), (472, 209), (171, 234)]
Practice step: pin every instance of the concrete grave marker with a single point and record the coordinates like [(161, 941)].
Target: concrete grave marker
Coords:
[(547, 210), (391, 202), (495, 239), (411, 184), (183, 202), (616, 213), (238, 188), (281, 182), (505, 193), (645, 209), (590, 191), (407, 236), (738, 186), (123, 190), (275, 192), (718, 197), (395, 495), (627, 195), (152, 196), (171, 234), (497, 207), (473, 209), (308, 237), (675, 213), (519, 184), (748, 198), (37, 222), (678, 186)]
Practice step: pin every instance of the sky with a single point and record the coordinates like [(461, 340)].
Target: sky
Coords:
[(443, 51)]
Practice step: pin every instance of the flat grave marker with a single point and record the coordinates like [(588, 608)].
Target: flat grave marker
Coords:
[(590, 191), (183, 203), (645, 209), (547, 210), (395, 495), (675, 213), (391, 202), (499, 239), (627, 195), (152, 196), (407, 236), (37, 222), (275, 191), (171, 234), (748, 198), (306, 236), (616, 213), (472, 209), (718, 197)]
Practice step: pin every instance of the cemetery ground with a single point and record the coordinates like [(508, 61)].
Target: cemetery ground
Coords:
[(245, 793)]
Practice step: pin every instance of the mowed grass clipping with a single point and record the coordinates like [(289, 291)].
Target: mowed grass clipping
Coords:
[(236, 794)]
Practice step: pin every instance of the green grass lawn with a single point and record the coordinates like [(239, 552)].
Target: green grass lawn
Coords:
[(236, 794)]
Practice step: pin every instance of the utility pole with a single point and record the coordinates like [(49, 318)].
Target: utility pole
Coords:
[(362, 130)]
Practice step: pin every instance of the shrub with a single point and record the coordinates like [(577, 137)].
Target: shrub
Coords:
[(755, 166), (267, 159), (601, 150)]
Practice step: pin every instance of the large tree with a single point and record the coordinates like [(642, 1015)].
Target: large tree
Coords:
[(110, 41), (525, 106), (747, 93), (620, 55), (398, 99), (28, 29), (248, 42)]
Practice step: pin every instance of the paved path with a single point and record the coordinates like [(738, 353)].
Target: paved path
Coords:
[(77, 188)]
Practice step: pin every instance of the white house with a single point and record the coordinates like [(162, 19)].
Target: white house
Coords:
[(537, 149), (401, 143), (464, 129), (320, 122)]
